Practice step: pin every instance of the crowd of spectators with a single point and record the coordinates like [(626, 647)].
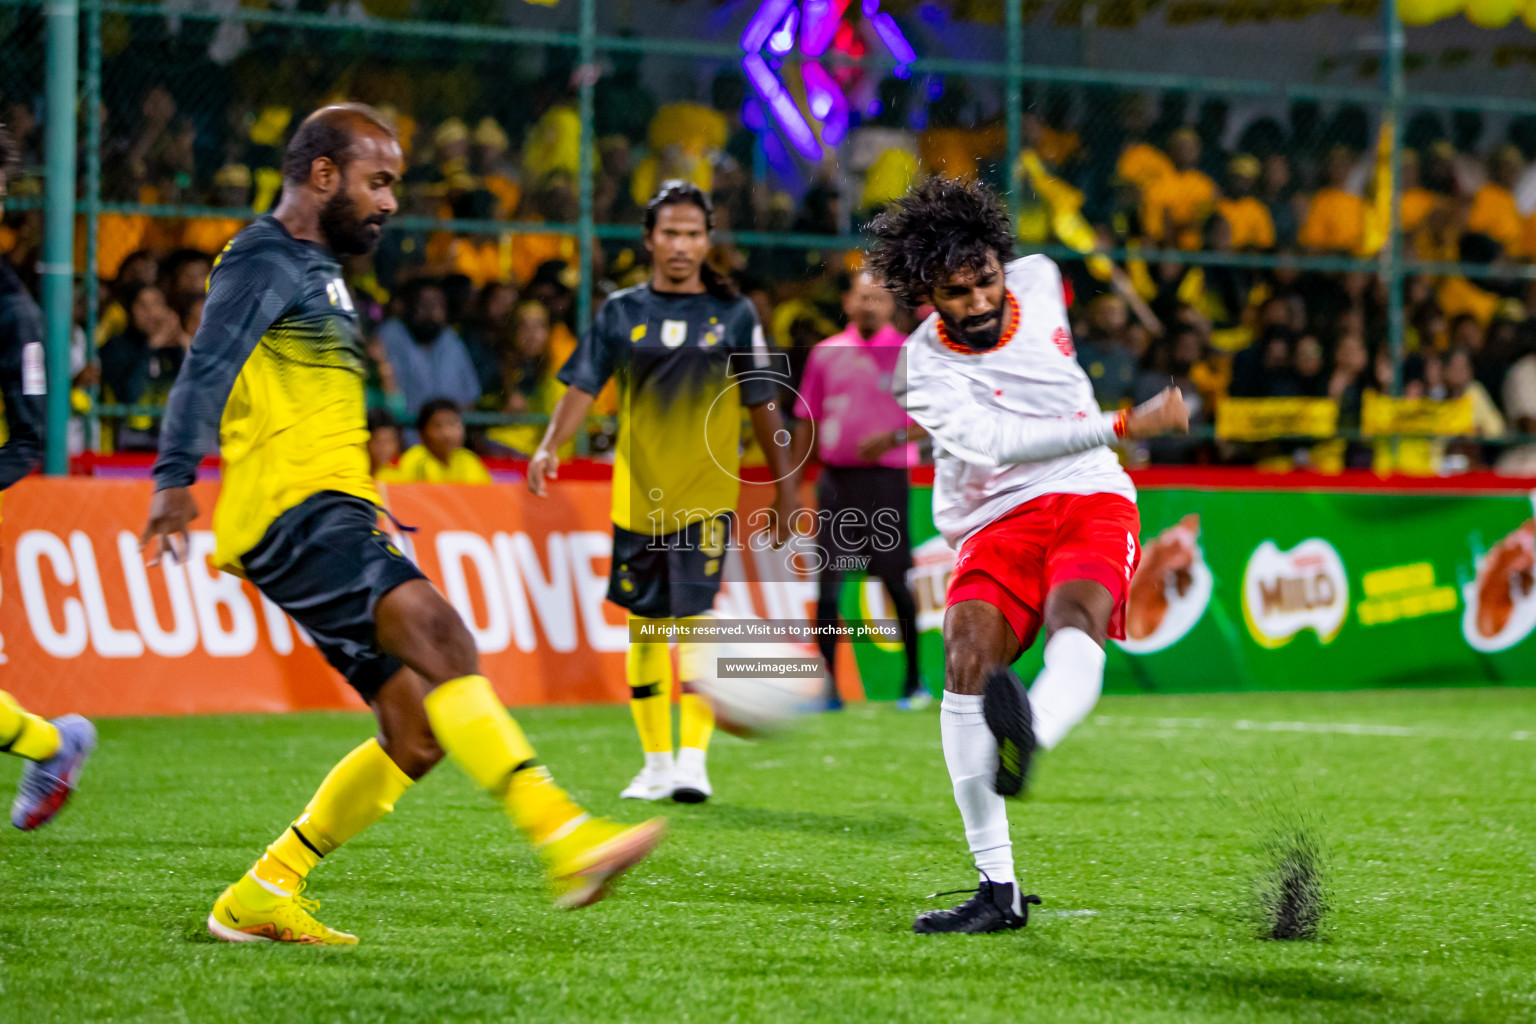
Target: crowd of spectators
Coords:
[(483, 318)]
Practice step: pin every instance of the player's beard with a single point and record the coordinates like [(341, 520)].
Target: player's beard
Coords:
[(346, 233), (974, 335)]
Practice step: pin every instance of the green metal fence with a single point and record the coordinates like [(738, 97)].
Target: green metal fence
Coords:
[(98, 53)]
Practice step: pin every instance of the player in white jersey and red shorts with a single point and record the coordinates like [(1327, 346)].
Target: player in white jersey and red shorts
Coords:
[(1028, 488)]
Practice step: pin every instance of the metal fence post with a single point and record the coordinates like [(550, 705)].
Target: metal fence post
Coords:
[(587, 62), (1013, 101), (58, 267), (92, 197), (1392, 251)]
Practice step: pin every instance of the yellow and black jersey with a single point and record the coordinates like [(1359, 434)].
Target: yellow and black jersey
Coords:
[(686, 365), (278, 367)]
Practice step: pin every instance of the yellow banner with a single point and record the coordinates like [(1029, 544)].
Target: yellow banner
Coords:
[(1261, 419), (1381, 414)]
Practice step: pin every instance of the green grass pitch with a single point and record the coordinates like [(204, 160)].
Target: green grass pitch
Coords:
[(791, 896)]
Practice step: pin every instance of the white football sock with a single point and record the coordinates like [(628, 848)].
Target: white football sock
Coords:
[(970, 751), (659, 761), (1068, 687), (690, 761)]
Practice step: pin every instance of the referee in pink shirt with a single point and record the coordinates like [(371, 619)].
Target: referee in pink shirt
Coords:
[(849, 418)]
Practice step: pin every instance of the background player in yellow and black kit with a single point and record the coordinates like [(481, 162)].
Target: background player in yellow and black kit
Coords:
[(55, 751), (277, 369), (689, 355)]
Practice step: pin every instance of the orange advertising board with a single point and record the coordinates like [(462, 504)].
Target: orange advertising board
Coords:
[(85, 626)]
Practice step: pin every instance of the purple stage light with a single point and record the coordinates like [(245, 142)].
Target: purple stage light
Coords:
[(819, 89), (820, 21), (763, 23), (890, 34), (782, 41), (827, 102), (782, 106), (769, 37)]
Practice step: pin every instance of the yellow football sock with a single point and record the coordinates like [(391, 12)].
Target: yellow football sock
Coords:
[(361, 789), (698, 716), (648, 667), (698, 721), (357, 792), (539, 807), (476, 731), (23, 733)]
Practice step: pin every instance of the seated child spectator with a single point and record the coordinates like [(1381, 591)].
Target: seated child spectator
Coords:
[(441, 457)]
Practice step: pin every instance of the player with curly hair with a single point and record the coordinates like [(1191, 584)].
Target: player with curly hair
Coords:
[(1026, 486)]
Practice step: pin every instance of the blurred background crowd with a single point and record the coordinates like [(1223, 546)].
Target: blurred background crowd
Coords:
[(472, 298)]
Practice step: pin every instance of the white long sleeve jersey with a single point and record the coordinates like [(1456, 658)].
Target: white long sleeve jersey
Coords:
[(1013, 423)]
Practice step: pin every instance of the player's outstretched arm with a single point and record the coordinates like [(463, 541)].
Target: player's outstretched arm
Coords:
[(567, 418), (250, 287), (984, 436)]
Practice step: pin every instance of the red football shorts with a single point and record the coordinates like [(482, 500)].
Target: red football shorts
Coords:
[(1012, 563)]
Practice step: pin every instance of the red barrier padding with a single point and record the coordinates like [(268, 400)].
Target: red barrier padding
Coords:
[(1154, 477)]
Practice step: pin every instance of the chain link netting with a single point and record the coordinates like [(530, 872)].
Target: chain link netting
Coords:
[(1214, 177)]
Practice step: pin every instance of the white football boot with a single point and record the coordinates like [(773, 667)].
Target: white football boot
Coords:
[(691, 781), (656, 780)]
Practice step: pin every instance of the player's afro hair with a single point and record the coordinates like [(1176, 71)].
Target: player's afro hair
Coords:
[(939, 227)]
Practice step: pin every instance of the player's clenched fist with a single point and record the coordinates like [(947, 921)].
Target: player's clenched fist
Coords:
[(1164, 414)]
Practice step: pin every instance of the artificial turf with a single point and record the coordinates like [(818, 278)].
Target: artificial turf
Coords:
[(791, 895)]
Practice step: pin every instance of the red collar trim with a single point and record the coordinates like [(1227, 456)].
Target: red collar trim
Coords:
[(1009, 330)]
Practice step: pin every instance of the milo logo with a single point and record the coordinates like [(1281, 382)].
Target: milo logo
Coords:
[(1285, 592)]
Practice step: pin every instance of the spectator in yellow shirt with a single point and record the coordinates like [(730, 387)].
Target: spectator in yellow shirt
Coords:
[(1142, 163), (1252, 226), (553, 144), (441, 457), (1457, 296), (1176, 206), (953, 144), (686, 141), (1335, 220), (1459, 382), (1494, 212), (495, 174), (553, 202)]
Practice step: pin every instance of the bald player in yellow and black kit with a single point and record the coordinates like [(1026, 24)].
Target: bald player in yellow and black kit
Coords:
[(689, 356), (277, 370)]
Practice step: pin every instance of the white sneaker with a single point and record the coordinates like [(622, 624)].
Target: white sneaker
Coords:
[(691, 781), (651, 784)]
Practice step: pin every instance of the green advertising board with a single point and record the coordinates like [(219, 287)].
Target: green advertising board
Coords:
[(1286, 590)]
